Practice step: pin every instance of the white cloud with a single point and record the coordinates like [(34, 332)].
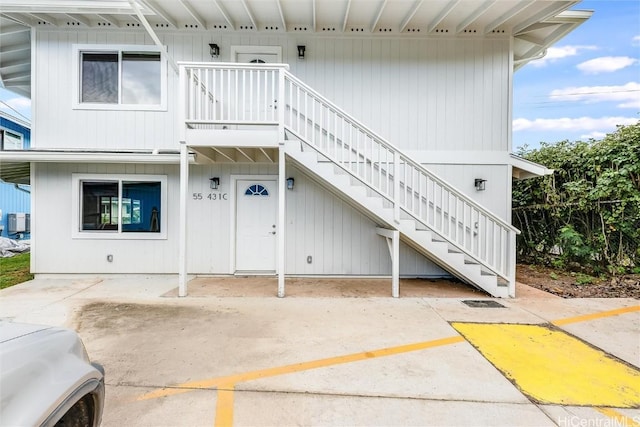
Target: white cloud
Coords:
[(635, 41), (593, 135), (627, 95), (556, 53), (606, 64), (580, 124)]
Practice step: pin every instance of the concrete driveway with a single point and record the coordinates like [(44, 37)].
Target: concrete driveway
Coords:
[(234, 354)]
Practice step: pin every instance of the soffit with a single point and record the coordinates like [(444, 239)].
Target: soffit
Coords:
[(534, 24)]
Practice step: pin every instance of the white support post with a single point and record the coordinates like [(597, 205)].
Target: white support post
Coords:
[(393, 242), (282, 188), (182, 229), (396, 187), (281, 104), (511, 260)]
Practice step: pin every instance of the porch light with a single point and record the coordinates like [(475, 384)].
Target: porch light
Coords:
[(301, 49), (215, 182), (214, 50), (480, 184), (290, 182)]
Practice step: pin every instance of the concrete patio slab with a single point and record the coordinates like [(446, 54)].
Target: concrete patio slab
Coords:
[(234, 354)]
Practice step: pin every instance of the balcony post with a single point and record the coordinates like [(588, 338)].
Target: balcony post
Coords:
[(396, 187), (281, 104)]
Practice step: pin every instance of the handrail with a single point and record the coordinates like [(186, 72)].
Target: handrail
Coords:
[(392, 147), (408, 185)]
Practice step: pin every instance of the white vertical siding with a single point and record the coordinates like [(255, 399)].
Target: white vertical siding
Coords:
[(421, 94), (340, 239), (497, 196)]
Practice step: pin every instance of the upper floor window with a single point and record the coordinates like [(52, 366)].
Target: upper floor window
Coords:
[(120, 78), (10, 140)]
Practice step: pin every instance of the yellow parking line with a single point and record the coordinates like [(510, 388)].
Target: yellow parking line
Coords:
[(597, 315), (226, 385), (298, 367), (553, 367), (224, 406), (621, 420)]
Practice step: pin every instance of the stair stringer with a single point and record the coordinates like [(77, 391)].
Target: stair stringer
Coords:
[(418, 236)]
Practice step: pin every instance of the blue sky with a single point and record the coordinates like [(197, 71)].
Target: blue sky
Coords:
[(587, 83)]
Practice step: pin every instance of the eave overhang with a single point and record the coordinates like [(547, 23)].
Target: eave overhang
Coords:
[(535, 25), (15, 166), (525, 169)]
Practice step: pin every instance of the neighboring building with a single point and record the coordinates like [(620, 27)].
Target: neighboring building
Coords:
[(15, 196), (300, 138)]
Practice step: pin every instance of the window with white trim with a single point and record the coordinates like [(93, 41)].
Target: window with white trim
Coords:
[(130, 206), (10, 140), (120, 77)]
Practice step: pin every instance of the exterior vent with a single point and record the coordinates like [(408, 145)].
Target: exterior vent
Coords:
[(483, 303)]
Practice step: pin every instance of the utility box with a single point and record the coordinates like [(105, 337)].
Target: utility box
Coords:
[(17, 223)]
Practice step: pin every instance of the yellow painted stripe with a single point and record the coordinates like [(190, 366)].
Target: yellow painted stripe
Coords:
[(224, 406), (594, 316), (621, 420), (553, 367), (298, 367)]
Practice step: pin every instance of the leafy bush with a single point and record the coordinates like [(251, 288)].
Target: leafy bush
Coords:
[(587, 213)]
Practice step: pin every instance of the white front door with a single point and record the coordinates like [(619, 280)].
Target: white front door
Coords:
[(256, 219)]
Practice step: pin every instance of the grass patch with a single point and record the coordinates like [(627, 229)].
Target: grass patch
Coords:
[(15, 270)]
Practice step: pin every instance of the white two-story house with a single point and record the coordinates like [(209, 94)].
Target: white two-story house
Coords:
[(325, 138)]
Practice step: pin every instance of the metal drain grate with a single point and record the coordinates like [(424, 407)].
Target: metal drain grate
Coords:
[(483, 303)]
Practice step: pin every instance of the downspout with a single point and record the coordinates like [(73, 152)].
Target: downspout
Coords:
[(145, 23)]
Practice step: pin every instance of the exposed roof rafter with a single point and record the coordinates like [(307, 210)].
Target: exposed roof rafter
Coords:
[(8, 30), (536, 27), (480, 10), (45, 18), (250, 14), (79, 19), (284, 21), (19, 18), (313, 15), (543, 15), (346, 16), (15, 48), (374, 24), (110, 19), (531, 39), (15, 63), (411, 14), (522, 5), (225, 14), (194, 14), (159, 12), (443, 14)]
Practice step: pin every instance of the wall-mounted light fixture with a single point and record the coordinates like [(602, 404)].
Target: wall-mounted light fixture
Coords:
[(479, 183), (214, 182), (290, 183), (214, 50), (301, 49)]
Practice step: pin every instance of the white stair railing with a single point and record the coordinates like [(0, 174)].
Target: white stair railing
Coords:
[(267, 94), (406, 184)]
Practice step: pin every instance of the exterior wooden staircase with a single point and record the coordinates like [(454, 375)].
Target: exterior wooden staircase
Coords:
[(407, 201)]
